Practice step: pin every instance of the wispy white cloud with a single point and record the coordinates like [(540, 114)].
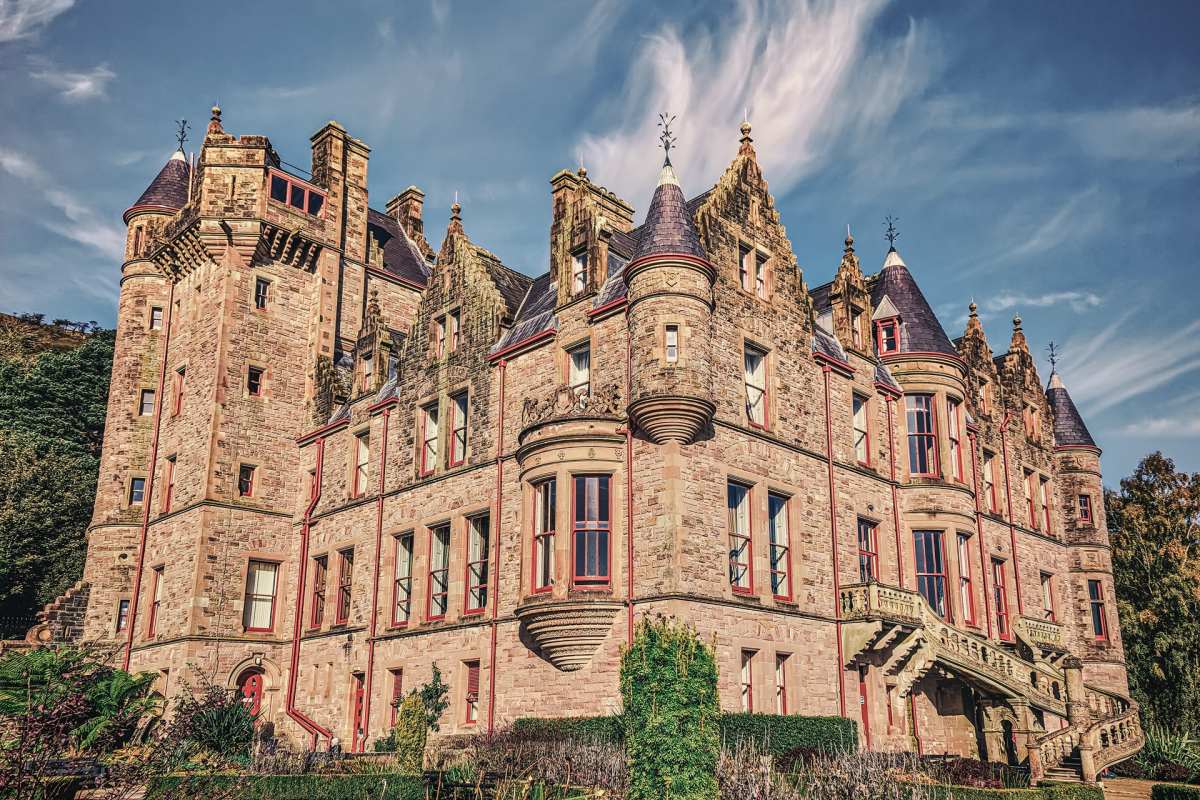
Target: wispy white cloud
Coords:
[(74, 86), (1075, 300), (1138, 133), (440, 10), (20, 19), (1174, 426), (581, 44), (802, 68)]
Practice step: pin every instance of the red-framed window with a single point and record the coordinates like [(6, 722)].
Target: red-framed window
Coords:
[(781, 700), (755, 368), (345, 583), (671, 343), (1031, 498), (1048, 605), (296, 193), (459, 410), (254, 381), (930, 549), (455, 322), (177, 401), (262, 293), (591, 531), (989, 482), (966, 592), (887, 335), (1044, 499), (156, 318), (1099, 617), (402, 579), (1084, 508), (954, 435), (429, 438), (438, 596), (156, 582), (545, 521), (746, 679), (122, 614), (362, 458), (439, 336), (397, 695), (922, 435), (169, 491), (245, 484), (137, 491), (1000, 599), (868, 551), (478, 537), (146, 403), (320, 580), (258, 609), (741, 551), (780, 541), (471, 715), (862, 437)]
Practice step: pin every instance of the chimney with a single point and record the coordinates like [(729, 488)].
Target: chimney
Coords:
[(405, 208)]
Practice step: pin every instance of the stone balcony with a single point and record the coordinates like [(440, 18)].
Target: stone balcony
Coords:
[(566, 425), (568, 631)]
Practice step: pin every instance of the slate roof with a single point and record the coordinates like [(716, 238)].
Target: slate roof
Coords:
[(826, 343), (920, 330), (820, 297), (400, 255), (884, 376), (169, 189), (512, 285), (1068, 425), (669, 226), (535, 314)]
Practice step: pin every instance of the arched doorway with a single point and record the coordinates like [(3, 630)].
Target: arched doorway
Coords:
[(252, 683)]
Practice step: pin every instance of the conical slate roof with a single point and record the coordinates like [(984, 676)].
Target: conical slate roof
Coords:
[(920, 330), (669, 227), (169, 189), (1069, 429)]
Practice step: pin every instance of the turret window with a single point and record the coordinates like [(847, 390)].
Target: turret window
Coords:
[(954, 435), (156, 318), (146, 403), (755, 368), (137, 491), (931, 570), (922, 435), (966, 596), (1084, 508), (1099, 617), (741, 575), (888, 336), (671, 343)]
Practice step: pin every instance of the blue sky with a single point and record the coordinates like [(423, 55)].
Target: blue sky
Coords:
[(1043, 158)]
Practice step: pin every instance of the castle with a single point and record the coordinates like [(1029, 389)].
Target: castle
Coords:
[(336, 456)]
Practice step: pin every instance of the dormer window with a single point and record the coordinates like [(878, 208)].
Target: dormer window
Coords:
[(888, 335), (296, 193), (579, 272), (856, 337), (368, 371)]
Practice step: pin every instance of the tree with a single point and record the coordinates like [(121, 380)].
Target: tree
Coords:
[(1154, 525)]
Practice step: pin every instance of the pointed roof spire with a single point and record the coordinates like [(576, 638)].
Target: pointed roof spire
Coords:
[(1069, 428), (669, 227), (973, 323), (168, 192), (921, 331)]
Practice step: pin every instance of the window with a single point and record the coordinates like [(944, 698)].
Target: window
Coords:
[(320, 577), (579, 370), (760, 274), (781, 706), (345, 581), (989, 482), (367, 372), (755, 363), (477, 563), (156, 581), (931, 570), (1099, 618), (137, 490), (966, 596), (888, 338), (156, 318), (745, 266), (1032, 421), (122, 615), (177, 406), (1044, 501), (439, 337), (245, 484), (472, 694), (671, 341), (1085, 508), (746, 677), (982, 405), (402, 583), (922, 435), (146, 403), (439, 571), (780, 542), (1000, 598), (590, 530), (262, 288), (429, 438), (169, 494), (455, 325), (544, 524), (137, 240), (954, 434), (458, 428), (258, 612), (296, 193), (1047, 581), (856, 337), (254, 381), (362, 457), (868, 551), (1030, 502), (397, 695), (862, 444), (752, 271), (741, 576), (579, 272)]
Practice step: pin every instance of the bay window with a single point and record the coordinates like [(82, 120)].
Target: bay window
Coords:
[(741, 573), (545, 521), (954, 435), (966, 595), (868, 551), (931, 570), (591, 530)]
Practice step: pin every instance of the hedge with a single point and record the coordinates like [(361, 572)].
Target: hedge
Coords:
[(1046, 791), (288, 787), (1174, 791), (775, 733)]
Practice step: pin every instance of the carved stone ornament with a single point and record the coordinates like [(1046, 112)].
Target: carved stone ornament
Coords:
[(568, 632), (565, 401)]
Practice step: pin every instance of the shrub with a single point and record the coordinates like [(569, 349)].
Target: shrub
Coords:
[(412, 728), (778, 734), (1174, 791), (288, 787), (216, 719), (669, 691), (608, 729)]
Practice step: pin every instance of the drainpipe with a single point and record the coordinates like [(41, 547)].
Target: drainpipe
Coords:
[(496, 553), (983, 565), (628, 482), (387, 412), (302, 572), (149, 493), (837, 585), (1012, 527), (895, 493)]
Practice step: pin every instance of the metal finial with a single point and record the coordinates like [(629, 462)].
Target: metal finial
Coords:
[(1054, 353), (666, 138), (849, 240), (891, 234), (181, 132)]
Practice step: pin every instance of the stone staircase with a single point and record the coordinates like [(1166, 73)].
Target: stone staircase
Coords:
[(62, 619), (901, 631)]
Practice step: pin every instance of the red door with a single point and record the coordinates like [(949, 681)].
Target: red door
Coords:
[(862, 705), (358, 703), (250, 683)]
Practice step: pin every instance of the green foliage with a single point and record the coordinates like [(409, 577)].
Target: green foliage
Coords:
[(1154, 524), (671, 713), (216, 719), (608, 729), (288, 787), (1166, 756), (778, 734), (1174, 791), (1046, 791), (408, 737), (434, 696)]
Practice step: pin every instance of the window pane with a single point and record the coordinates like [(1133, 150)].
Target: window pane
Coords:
[(315, 203), (297, 197), (279, 189)]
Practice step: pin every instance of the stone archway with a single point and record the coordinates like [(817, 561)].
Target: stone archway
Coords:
[(258, 680)]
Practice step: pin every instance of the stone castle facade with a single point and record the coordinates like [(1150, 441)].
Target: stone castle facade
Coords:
[(338, 453)]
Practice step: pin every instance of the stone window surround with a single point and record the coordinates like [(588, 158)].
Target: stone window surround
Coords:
[(353, 490), (264, 378), (789, 515), (680, 350), (867, 414), (564, 358), (265, 557), (749, 341), (269, 298), (762, 257), (949, 531), (759, 488), (442, 402), (254, 480), (393, 620), (129, 490), (468, 532), (126, 598), (762, 668)]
